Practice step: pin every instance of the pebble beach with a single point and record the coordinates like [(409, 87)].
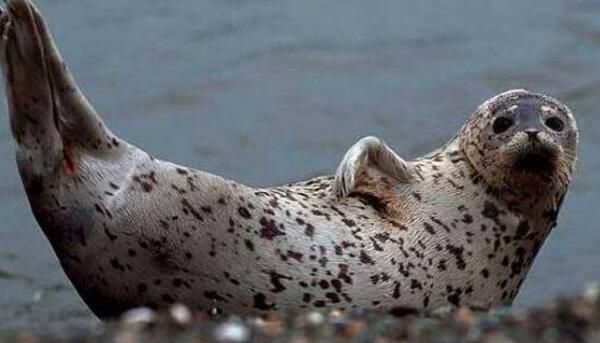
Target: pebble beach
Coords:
[(564, 320)]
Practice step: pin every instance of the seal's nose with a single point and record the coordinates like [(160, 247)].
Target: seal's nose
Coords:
[(532, 134)]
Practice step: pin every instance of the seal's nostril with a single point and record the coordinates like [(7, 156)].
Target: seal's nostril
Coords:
[(532, 134)]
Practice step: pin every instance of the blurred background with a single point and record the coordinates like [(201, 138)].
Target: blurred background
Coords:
[(272, 91)]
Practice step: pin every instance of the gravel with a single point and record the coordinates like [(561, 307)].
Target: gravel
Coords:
[(575, 319)]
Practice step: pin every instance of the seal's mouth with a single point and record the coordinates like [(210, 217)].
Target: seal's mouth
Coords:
[(537, 160)]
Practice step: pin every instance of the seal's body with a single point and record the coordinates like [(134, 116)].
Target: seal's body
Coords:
[(459, 226)]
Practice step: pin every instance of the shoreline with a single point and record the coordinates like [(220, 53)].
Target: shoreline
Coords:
[(567, 319)]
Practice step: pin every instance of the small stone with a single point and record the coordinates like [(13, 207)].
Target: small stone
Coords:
[(442, 311), (126, 336), (334, 314), (215, 312), (232, 332), (497, 337), (583, 309), (353, 328), (592, 292), (300, 340), (37, 296), (315, 318), (138, 316), (26, 338), (464, 315), (271, 326), (180, 314)]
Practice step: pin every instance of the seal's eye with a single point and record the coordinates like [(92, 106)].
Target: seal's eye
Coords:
[(555, 123), (502, 124)]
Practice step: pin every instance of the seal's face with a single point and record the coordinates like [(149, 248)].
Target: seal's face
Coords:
[(522, 140)]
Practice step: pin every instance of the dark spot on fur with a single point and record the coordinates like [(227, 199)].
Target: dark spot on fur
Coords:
[(276, 278), (454, 297), (319, 303), (415, 284), (365, 258), (212, 295), (458, 253), (403, 311), (249, 244), (117, 265), (269, 229), (429, 228), (188, 208), (309, 230), (168, 298), (260, 303), (244, 213), (522, 230), (109, 234), (306, 297), (333, 297), (337, 285), (396, 292), (467, 219), (343, 273), (349, 222), (517, 265), (490, 210)]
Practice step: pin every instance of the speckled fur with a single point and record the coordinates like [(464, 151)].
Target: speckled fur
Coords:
[(131, 230)]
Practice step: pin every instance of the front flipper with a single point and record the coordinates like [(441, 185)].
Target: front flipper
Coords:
[(368, 152)]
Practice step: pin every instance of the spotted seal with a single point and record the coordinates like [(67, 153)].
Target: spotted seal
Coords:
[(459, 226)]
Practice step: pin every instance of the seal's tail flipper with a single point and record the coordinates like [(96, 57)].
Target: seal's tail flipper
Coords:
[(48, 113), (78, 119), (28, 91)]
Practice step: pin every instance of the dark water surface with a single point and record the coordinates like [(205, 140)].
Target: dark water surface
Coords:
[(271, 91)]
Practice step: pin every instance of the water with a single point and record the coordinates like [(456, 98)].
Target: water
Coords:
[(271, 91)]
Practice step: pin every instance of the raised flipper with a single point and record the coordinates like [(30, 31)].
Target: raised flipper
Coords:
[(368, 152), (79, 120), (49, 115), (28, 92)]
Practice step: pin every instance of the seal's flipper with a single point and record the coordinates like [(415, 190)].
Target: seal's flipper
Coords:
[(28, 91), (369, 152), (50, 117), (78, 119)]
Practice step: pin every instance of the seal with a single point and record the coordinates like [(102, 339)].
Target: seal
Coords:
[(458, 226)]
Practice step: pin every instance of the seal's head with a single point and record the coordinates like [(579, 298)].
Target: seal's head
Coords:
[(522, 141)]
